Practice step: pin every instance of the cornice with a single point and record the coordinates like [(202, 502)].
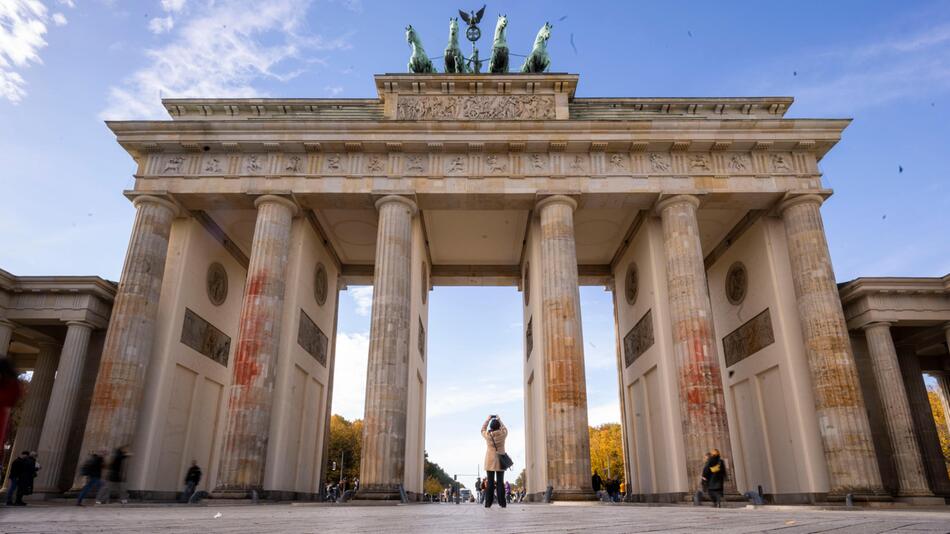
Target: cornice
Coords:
[(861, 287), (101, 288)]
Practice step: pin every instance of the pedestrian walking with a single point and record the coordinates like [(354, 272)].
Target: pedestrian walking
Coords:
[(714, 476), (22, 472), (10, 393), (192, 478), (495, 432), (478, 490), (92, 470), (116, 478)]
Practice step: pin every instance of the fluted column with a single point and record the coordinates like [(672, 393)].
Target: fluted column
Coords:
[(120, 382), (255, 360), (6, 334), (37, 399), (382, 464), (565, 410), (698, 374), (62, 404), (911, 477), (839, 405)]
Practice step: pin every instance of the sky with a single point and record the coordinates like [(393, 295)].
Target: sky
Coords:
[(67, 65)]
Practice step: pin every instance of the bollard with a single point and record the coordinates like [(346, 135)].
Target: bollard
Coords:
[(849, 500), (549, 494), (698, 498)]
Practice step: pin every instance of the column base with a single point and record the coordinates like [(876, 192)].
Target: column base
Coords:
[(238, 493), (573, 495), (921, 500), (385, 493)]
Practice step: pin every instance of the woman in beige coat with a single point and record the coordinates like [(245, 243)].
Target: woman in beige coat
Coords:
[(494, 432)]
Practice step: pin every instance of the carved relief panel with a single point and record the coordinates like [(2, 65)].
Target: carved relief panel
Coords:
[(475, 107)]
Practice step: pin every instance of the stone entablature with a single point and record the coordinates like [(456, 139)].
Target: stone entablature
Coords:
[(478, 164), (36, 299), (468, 97), (911, 300)]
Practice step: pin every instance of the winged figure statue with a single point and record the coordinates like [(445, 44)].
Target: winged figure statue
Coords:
[(473, 18)]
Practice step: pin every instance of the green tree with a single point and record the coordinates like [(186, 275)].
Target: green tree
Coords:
[(435, 472), (940, 420), (346, 440), (606, 450), (519, 482)]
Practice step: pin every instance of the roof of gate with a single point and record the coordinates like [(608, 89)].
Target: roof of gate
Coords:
[(511, 89)]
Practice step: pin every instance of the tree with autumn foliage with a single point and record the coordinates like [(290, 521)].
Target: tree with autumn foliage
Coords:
[(346, 440), (940, 420), (606, 451)]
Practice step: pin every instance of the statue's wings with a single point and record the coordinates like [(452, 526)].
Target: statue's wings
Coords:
[(464, 16), (478, 16)]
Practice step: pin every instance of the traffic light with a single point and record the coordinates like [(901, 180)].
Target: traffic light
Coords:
[(334, 466)]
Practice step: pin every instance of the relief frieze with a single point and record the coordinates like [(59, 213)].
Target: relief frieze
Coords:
[(480, 165), (475, 107), (639, 339), (753, 336), (203, 337), (312, 339)]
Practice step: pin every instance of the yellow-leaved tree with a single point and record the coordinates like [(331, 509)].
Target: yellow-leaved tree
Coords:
[(940, 420), (606, 451)]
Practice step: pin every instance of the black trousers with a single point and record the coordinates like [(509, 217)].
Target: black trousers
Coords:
[(496, 487)]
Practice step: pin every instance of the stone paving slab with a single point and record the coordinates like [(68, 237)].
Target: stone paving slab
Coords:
[(464, 518)]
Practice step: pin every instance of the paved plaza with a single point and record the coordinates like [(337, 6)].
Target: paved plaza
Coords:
[(448, 518)]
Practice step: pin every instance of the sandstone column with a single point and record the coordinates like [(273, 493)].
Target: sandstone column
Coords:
[(37, 399), (382, 465), (62, 404), (255, 361), (6, 334), (911, 477), (698, 374), (565, 410), (842, 420), (127, 350)]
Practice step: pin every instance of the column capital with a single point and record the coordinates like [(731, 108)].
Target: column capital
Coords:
[(877, 324), (267, 199), (810, 198), (7, 323), (946, 327), (398, 198), (157, 200), (556, 199), (677, 199), (88, 325)]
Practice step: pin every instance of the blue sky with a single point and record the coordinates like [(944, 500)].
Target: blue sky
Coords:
[(65, 65)]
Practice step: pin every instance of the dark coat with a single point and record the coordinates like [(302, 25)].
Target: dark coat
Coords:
[(93, 466), (23, 471), (193, 475), (714, 473), (596, 482), (117, 466)]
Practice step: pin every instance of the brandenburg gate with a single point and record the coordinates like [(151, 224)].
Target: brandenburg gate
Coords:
[(701, 215)]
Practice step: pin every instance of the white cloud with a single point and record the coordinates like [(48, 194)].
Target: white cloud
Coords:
[(221, 50), (604, 413), (22, 27), (173, 6), (67, 3), (59, 19), (843, 80), (453, 399), (363, 297), (349, 374), (333, 90), (160, 25)]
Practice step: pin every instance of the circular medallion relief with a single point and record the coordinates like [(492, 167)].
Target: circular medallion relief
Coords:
[(631, 284), (320, 284), (526, 283), (425, 282), (737, 282), (217, 284)]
